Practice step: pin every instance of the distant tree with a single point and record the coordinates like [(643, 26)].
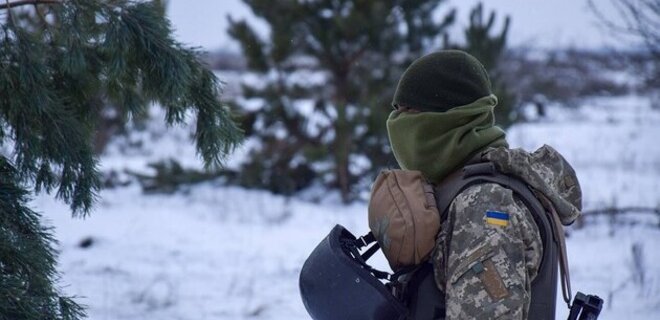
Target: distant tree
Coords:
[(565, 76), (490, 49), (325, 78), (638, 20), (61, 62), (635, 18)]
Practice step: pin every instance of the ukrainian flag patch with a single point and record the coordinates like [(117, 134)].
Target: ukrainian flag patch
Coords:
[(497, 218)]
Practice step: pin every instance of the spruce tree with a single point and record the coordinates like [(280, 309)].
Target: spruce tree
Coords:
[(489, 49), (327, 74), (61, 62)]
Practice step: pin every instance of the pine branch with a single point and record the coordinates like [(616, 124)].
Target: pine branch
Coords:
[(27, 258), (56, 80), (60, 78), (10, 5)]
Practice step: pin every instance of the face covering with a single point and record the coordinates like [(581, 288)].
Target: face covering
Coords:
[(438, 143)]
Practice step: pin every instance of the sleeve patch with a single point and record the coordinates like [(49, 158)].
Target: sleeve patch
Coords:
[(493, 282), (497, 218)]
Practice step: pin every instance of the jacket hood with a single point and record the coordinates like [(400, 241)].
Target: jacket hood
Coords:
[(547, 172)]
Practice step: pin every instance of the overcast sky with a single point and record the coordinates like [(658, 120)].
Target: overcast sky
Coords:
[(544, 23)]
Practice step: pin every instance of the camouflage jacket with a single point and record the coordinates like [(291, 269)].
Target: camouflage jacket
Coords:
[(489, 248)]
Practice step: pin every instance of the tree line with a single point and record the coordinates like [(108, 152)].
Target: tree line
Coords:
[(327, 73)]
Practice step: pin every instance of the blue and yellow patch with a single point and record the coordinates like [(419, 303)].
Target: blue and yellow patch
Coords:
[(497, 218)]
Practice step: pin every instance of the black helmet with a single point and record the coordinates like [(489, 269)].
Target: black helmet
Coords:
[(335, 284)]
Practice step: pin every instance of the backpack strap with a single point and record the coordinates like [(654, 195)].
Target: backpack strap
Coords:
[(544, 286), (561, 240), (422, 297), (364, 241), (353, 247), (458, 181)]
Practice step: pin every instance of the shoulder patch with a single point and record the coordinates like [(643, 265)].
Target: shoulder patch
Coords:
[(497, 218)]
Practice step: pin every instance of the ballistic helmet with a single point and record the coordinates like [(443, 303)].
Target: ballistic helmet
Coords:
[(336, 284)]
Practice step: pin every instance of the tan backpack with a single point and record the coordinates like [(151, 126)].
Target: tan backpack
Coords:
[(403, 217)]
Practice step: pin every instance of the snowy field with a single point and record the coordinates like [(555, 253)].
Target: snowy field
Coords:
[(219, 252)]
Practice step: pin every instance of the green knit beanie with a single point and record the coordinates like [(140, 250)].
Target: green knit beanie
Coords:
[(442, 80)]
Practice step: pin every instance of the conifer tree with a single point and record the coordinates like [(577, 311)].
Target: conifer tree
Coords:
[(60, 63), (489, 49), (327, 74)]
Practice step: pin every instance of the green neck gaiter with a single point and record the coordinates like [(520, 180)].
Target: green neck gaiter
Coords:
[(437, 143)]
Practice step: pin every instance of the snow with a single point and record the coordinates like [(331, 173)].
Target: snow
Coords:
[(213, 252), (602, 263), (220, 252), (611, 142)]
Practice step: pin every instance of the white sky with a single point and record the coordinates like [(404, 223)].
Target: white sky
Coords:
[(544, 23)]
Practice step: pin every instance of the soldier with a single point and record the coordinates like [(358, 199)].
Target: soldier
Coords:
[(489, 249)]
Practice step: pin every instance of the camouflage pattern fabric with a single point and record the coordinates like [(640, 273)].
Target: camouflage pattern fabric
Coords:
[(489, 248), (486, 269), (547, 172)]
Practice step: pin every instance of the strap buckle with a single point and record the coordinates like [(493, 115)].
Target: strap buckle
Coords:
[(365, 240)]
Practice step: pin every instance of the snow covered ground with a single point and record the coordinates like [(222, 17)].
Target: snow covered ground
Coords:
[(219, 252)]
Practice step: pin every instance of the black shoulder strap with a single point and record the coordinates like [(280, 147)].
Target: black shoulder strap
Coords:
[(544, 286), (459, 181)]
